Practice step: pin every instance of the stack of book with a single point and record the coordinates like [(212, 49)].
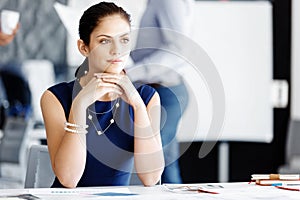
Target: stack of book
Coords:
[(276, 179)]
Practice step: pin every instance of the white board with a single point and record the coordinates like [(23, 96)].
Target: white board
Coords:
[(295, 107), (237, 36)]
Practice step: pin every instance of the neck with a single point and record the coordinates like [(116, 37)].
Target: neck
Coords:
[(84, 80)]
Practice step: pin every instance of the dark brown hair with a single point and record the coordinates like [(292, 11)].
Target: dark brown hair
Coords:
[(93, 16), (90, 19)]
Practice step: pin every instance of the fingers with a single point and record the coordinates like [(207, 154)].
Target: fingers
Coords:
[(102, 87), (7, 38), (109, 86), (108, 76), (112, 78)]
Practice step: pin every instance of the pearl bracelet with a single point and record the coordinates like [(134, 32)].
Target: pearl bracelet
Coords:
[(75, 128), (76, 125), (76, 131)]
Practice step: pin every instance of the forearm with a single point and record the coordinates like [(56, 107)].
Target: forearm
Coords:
[(149, 166), (70, 158), (148, 154)]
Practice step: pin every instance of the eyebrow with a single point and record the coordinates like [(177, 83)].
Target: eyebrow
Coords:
[(103, 35)]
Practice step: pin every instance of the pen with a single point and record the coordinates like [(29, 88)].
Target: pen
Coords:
[(200, 190), (285, 184), (215, 186), (286, 188), (276, 184), (206, 191)]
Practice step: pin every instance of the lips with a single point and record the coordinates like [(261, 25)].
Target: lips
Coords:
[(115, 61)]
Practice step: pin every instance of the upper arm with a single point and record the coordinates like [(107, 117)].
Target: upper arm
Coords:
[(54, 118), (154, 111)]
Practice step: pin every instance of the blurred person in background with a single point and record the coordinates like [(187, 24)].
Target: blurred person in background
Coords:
[(15, 94), (155, 60)]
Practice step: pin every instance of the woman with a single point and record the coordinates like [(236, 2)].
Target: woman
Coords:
[(159, 42), (99, 125)]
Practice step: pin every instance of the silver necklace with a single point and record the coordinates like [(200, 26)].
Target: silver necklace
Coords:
[(111, 121)]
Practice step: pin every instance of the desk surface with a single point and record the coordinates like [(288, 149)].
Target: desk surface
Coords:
[(162, 192)]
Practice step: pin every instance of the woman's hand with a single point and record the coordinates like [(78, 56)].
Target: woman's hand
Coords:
[(5, 38), (94, 90), (129, 92)]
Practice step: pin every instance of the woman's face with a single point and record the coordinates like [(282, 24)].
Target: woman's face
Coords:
[(109, 46)]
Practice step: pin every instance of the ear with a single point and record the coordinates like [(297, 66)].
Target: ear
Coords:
[(83, 48)]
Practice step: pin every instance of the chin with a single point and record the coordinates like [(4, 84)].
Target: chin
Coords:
[(114, 71)]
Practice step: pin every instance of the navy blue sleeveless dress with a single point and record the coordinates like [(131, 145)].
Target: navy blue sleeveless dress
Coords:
[(109, 159)]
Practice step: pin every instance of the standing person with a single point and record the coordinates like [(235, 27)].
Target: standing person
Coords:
[(99, 125), (155, 58), (11, 80)]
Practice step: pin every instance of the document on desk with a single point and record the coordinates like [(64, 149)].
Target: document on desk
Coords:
[(80, 193), (226, 191), (230, 191), (19, 197), (191, 188)]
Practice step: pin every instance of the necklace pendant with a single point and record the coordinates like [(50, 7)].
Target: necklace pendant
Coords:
[(90, 117)]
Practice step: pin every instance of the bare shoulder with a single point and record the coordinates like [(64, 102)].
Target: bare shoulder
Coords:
[(48, 99), (155, 100)]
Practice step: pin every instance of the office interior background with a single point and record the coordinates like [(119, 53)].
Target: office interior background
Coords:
[(43, 37)]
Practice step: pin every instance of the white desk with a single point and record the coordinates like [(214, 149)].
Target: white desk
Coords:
[(230, 191)]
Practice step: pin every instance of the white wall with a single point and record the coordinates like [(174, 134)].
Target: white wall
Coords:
[(295, 102)]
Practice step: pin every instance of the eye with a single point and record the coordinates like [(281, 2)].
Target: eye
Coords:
[(125, 40), (104, 41)]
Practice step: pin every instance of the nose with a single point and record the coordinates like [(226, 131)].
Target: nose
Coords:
[(115, 48)]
